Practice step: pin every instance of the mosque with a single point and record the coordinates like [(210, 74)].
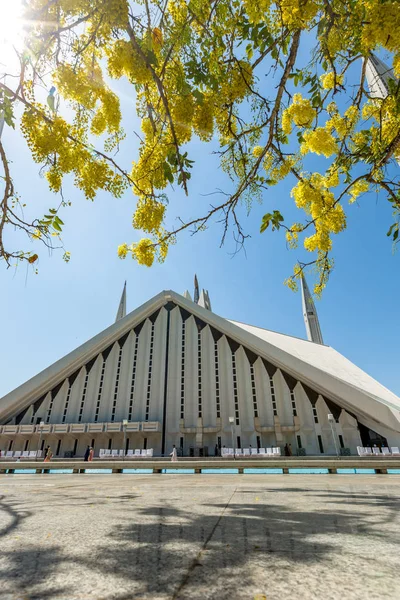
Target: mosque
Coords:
[(173, 372)]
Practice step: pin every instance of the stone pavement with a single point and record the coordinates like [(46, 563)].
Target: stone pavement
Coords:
[(125, 537)]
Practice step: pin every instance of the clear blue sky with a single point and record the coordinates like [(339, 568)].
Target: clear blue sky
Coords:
[(47, 315)]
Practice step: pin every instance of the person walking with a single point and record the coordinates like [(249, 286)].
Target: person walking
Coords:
[(87, 453), (286, 450), (48, 454), (173, 454), (91, 454)]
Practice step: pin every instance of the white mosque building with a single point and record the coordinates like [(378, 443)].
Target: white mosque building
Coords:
[(173, 372)]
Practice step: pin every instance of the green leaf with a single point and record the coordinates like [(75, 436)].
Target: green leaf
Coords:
[(152, 58), (199, 96), (168, 173), (56, 226), (249, 51), (265, 222), (389, 233)]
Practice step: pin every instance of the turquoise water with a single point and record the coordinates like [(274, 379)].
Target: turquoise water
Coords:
[(262, 471), (185, 471), (309, 471), (223, 471), (98, 471), (24, 471), (365, 471), (393, 471), (139, 471)]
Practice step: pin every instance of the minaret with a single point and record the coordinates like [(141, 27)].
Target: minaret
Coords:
[(310, 314), (121, 313), (204, 300), (196, 290), (378, 76)]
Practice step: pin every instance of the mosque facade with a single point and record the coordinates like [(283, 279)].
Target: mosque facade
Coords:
[(174, 372)]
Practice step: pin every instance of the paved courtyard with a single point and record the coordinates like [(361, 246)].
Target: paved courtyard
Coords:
[(126, 537)]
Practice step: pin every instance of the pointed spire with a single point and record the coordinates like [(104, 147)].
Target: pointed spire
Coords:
[(378, 75), (310, 314), (196, 290), (186, 294), (121, 313), (204, 300)]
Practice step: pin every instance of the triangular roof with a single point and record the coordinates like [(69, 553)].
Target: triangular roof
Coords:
[(318, 367)]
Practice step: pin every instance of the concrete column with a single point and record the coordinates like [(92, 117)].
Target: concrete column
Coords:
[(278, 430), (199, 432)]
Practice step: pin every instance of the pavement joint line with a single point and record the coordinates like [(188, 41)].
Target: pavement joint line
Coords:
[(195, 561)]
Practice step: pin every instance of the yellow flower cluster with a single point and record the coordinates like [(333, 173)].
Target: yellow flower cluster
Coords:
[(123, 59), (257, 151), (381, 25), (319, 141), (328, 80), (85, 87), (203, 120), (149, 173), (299, 14), (178, 10), (317, 201), (108, 116), (56, 143), (292, 238), (360, 187), (396, 64), (149, 215), (283, 169), (343, 125), (182, 111), (387, 128), (123, 250), (257, 9), (144, 252), (300, 112), (237, 82), (79, 85)]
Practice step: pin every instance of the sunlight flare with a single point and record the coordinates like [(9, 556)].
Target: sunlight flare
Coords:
[(11, 33)]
